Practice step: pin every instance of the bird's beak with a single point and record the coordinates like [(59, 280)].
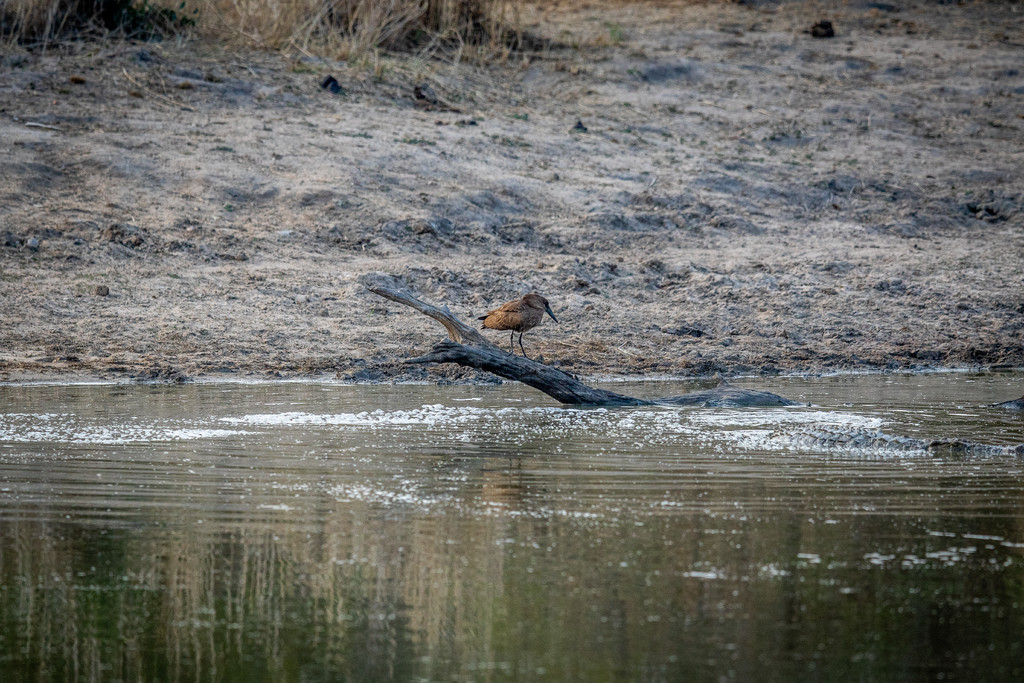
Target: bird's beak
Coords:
[(548, 309)]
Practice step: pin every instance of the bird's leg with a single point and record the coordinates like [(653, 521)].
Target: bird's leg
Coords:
[(521, 347), (511, 346)]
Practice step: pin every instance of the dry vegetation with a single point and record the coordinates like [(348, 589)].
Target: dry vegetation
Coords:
[(336, 28)]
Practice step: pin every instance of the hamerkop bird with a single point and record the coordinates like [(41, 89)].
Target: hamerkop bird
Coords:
[(519, 316)]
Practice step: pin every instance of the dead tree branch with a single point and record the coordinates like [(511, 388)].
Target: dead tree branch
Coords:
[(469, 348)]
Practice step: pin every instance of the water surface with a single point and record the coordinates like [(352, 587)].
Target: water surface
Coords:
[(325, 532)]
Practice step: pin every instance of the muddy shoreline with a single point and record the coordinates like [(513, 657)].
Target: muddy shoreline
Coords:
[(746, 199)]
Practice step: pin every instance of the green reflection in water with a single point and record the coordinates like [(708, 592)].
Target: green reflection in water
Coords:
[(446, 549)]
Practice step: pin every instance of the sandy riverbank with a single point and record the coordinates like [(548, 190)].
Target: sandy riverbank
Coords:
[(745, 199)]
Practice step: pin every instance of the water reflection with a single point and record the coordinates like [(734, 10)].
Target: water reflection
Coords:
[(298, 532)]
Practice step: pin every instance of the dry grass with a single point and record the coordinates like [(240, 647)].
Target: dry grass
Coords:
[(35, 20), (343, 28), (338, 28)]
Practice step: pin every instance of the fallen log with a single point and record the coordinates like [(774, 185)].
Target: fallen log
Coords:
[(558, 385), (469, 348)]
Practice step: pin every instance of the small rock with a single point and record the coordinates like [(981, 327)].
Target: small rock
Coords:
[(32, 244), (102, 290), (685, 331), (579, 282), (823, 29), (331, 85), (895, 286), (158, 373), (123, 233), (363, 375), (425, 94), (422, 227)]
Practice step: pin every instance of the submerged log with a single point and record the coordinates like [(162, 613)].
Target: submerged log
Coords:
[(726, 395), (468, 348), (831, 437), (1015, 404)]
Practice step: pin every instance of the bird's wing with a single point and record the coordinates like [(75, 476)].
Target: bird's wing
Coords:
[(503, 320), (511, 307)]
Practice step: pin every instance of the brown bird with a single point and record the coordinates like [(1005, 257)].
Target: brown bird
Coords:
[(519, 316)]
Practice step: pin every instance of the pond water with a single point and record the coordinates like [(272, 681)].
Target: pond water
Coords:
[(322, 532)]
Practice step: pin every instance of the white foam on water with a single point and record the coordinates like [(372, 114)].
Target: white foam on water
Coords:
[(4, 417), (543, 513), (767, 430), (366, 493), (712, 575), (427, 415), (776, 417), (722, 430), (538, 421), (772, 440), (114, 436), (773, 571), (68, 428), (409, 494)]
